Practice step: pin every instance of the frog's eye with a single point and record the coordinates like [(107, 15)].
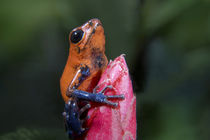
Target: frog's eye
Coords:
[(76, 36)]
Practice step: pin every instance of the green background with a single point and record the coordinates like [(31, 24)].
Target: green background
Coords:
[(166, 43)]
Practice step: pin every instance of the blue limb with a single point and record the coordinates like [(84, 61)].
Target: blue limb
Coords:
[(72, 120), (96, 97)]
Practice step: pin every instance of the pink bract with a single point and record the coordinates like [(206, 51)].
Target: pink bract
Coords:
[(108, 123)]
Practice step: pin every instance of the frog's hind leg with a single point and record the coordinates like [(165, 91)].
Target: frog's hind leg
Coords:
[(72, 117)]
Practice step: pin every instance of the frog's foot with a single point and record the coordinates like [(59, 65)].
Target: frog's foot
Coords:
[(98, 97), (72, 115), (104, 98)]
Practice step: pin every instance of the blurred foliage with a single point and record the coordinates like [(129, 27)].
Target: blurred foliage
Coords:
[(166, 43), (34, 134), (175, 100)]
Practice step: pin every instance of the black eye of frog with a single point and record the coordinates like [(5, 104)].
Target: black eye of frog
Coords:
[(76, 36)]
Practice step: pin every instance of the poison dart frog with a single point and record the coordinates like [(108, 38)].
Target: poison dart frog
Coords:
[(85, 64)]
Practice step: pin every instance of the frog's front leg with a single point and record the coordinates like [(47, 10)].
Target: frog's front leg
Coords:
[(82, 73), (99, 97)]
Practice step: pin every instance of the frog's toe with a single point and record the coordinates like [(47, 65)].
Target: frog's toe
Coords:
[(83, 109)]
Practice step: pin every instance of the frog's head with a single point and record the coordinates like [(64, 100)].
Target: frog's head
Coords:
[(88, 37)]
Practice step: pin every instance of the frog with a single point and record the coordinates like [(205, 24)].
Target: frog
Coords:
[(85, 64)]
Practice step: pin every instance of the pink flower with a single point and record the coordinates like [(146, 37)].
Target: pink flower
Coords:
[(108, 123)]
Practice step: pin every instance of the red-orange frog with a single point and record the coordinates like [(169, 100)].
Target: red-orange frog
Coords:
[(85, 64)]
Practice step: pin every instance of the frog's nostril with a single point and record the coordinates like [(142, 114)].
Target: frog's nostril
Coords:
[(95, 21), (99, 24), (90, 23)]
